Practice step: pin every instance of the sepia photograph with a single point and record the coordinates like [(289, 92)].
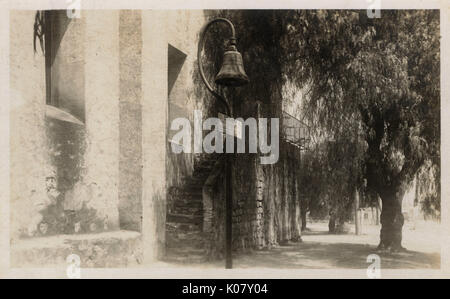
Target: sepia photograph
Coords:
[(222, 140)]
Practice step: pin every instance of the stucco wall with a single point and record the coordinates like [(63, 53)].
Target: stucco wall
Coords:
[(130, 114), (27, 152), (186, 94), (102, 108), (126, 152), (36, 149), (154, 123)]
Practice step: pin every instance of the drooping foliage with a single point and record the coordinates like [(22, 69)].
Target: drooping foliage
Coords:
[(369, 81), (377, 77), (330, 178)]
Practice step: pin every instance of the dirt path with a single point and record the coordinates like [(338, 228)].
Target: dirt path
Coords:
[(320, 250)]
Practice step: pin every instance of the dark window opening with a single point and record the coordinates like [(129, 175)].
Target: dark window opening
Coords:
[(64, 66)]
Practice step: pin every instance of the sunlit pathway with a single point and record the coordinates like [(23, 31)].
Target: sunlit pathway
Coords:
[(320, 250)]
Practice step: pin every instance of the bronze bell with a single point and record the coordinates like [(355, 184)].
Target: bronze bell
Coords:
[(232, 72)]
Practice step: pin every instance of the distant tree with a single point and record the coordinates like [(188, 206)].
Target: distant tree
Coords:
[(313, 198), (331, 173), (429, 190)]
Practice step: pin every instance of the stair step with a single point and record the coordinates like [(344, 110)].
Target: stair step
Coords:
[(185, 251), (188, 191), (187, 211), (188, 198), (189, 208), (205, 163), (188, 202), (198, 158), (195, 180), (195, 190), (182, 200), (184, 218), (194, 234), (202, 172), (193, 258), (185, 241), (183, 227), (194, 244)]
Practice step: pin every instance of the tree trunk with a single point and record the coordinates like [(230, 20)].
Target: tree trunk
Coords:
[(340, 227), (332, 223), (303, 215), (357, 214), (378, 206), (391, 221)]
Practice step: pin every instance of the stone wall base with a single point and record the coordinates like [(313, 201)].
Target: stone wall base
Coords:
[(109, 249)]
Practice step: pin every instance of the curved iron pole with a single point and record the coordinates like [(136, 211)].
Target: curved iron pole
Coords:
[(201, 45), (229, 189)]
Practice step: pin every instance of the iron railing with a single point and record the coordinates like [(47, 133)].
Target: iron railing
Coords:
[(294, 131)]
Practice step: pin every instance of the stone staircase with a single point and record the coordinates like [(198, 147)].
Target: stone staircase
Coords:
[(186, 242)]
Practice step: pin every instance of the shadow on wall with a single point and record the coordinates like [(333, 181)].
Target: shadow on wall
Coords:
[(67, 207)]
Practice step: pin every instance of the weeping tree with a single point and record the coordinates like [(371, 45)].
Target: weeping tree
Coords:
[(380, 79), (371, 80), (428, 190)]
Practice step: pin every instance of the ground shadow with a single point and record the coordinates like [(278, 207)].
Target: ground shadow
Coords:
[(319, 233), (318, 255)]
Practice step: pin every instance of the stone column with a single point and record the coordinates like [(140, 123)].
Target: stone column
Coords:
[(130, 163), (102, 109), (154, 126)]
